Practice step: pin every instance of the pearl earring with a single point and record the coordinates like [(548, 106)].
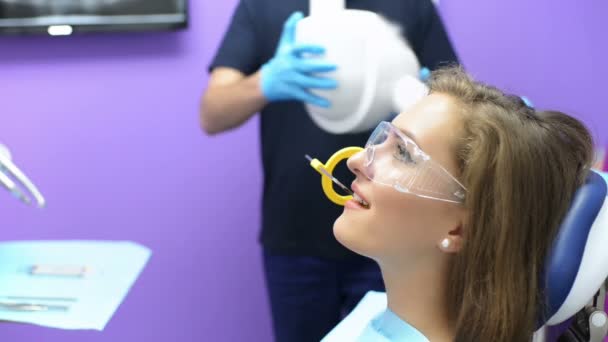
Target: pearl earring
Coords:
[(445, 243)]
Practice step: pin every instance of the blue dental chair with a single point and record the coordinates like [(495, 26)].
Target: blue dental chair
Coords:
[(577, 269)]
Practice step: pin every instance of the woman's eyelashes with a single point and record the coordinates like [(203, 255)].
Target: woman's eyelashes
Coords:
[(404, 155)]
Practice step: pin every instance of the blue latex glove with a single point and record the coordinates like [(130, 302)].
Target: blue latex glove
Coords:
[(425, 74), (288, 75)]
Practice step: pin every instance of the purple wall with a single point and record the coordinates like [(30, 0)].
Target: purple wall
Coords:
[(107, 127), (550, 51)]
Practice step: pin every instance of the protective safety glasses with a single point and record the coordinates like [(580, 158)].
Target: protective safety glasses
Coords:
[(394, 159)]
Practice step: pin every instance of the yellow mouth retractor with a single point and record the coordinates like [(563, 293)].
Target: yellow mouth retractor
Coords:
[(326, 171)]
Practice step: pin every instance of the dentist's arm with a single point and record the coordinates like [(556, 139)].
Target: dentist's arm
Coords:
[(232, 97), (230, 100)]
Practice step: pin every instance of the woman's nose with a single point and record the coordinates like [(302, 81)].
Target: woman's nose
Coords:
[(356, 162)]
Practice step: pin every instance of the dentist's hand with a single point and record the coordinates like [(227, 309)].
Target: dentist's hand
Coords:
[(289, 75), (425, 74)]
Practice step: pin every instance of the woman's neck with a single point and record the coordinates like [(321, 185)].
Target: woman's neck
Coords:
[(417, 296)]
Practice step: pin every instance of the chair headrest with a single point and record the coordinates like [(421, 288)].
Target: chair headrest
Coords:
[(577, 263)]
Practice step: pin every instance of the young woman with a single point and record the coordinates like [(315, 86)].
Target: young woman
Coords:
[(458, 200)]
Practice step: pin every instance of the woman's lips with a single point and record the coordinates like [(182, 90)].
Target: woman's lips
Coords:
[(358, 197)]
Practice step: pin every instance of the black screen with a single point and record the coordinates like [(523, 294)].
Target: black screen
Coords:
[(23, 16)]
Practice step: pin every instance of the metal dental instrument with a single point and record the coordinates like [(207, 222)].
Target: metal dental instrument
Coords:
[(10, 176), (30, 307), (333, 179), (43, 299), (59, 270), (12, 187), (327, 180)]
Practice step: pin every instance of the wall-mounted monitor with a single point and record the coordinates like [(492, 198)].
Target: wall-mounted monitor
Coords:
[(66, 17)]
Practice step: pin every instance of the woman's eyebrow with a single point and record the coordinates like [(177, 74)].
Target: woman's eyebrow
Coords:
[(408, 134)]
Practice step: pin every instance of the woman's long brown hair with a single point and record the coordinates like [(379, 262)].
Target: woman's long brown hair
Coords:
[(521, 168)]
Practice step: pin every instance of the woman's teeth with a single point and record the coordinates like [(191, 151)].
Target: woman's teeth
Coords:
[(361, 201)]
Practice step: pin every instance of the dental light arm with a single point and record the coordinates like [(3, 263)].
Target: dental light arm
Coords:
[(16, 182)]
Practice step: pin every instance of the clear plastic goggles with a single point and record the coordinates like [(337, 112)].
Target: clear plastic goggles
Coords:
[(394, 159)]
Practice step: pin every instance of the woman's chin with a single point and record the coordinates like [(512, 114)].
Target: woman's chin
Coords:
[(348, 234)]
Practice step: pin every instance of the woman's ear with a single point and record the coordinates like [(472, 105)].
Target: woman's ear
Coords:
[(452, 243)]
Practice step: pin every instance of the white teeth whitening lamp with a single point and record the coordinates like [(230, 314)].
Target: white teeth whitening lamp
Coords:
[(15, 181), (377, 72)]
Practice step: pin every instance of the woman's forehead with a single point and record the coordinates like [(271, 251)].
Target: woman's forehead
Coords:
[(433, 116)]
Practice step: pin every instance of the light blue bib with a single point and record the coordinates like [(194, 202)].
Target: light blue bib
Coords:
[(389, 327), (372, 321)]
